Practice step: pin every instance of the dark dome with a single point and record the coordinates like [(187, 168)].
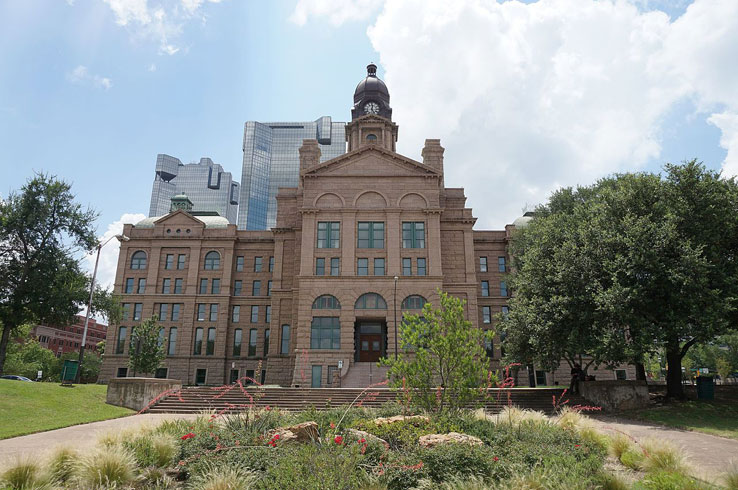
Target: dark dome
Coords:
[(371, 85)]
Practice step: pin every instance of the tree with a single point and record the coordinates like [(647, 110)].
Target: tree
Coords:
[(40, 230), (28, 357), (628, 266), (444, 360), (724, 368), (148, 348)]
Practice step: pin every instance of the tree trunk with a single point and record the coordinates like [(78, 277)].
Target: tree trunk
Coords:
[(641, 371), (4, 346), (674, 388)]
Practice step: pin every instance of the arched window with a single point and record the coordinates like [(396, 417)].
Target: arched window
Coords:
[(413, 302), (371, 138), (138, 260), (212, 261), (370, 301), (326, 302)]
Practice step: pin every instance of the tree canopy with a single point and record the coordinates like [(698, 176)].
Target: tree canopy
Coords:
[(631, 264), (147, 347)]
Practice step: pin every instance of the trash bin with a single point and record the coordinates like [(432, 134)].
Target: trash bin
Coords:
[(705, 388), (69, 371)]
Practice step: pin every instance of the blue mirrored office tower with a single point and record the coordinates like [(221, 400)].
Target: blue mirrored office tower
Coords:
[(271, 160), (210, 189)]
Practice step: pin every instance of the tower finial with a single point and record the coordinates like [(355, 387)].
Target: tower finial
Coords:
[(371, 70)]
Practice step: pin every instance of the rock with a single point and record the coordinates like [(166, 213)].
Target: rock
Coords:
[(304, 432), (401, 418), (432, 440), (360, 434)]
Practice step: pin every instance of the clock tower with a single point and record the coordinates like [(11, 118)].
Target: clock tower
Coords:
[(371, 116)]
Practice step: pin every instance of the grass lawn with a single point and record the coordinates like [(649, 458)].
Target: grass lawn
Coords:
[(35, 407), (716, 418)]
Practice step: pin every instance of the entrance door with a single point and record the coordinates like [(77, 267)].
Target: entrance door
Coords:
[(370, 347)]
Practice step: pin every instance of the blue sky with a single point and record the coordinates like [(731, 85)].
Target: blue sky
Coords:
[(525, 97)]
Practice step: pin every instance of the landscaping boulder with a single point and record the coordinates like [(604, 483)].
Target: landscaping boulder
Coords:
[(401, 418), (360, 434), (432, 440), (304, 432)]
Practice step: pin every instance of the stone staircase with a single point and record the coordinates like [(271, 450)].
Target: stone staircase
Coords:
[(363, 374), (208, 399)]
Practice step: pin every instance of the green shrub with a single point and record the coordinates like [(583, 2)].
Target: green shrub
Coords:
[(108, 466), (61, 464), (157, 478), (730, 478), (633, 458), (400, 434), (668, 480), (23, 474), (610, 481), (152, 449), (594, 437)]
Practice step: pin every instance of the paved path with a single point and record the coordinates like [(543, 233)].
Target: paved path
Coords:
[(709, 456), (81, 436)]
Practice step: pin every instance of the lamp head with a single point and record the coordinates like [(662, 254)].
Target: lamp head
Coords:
[(122, 238)]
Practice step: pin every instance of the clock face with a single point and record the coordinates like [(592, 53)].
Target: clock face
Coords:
[(371, 108)]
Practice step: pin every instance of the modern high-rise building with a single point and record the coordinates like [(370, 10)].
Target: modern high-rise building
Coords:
[(271, 160), (206, 184)]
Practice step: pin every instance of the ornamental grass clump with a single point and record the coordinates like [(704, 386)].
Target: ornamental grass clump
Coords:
[(731, 477), (106, 467), (151, 449), (632, 458), (60, 466), (661, 455), (223, 478), (513, 415), (571, 419), (619, 444), (24, 473)]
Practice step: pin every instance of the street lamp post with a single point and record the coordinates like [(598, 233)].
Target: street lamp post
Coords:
[(121, 238), (396, 278)]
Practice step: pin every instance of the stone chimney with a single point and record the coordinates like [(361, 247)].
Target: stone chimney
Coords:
[(433, 156), (309, 154)]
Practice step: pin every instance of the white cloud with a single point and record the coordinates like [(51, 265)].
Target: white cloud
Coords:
[(109, 253), (82, 76), (529, 97), (337, 11), (160, 20)]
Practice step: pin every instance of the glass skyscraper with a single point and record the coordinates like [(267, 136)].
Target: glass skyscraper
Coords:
[(271, 160), (205, 183)]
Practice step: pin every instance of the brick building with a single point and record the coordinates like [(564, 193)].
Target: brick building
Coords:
[(63, 339), (362, 235)]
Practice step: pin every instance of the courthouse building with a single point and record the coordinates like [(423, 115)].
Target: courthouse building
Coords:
[(362, 236)]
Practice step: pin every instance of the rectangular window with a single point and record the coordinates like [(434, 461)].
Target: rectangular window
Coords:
[(284, 345), (234, 375), (166, 286), (254, 314), (181, 261), (200, 312), (160, 341), (215, 289), (485, 288), (541, 378), (178, 286), (501, 264), (413, 234), (370, 234), (120, 346), (268, 318), (137, 310), (203, 286), (486, 314), (317, 375), (236, 314), (141, 286), (239, 263), (163, 312), (175, 311), (362, 267), (335, 266), (172, 345), (210, 349), (201, 376), (256, 288), (198, 342), (505, 311), (237, 342), (320, 266), (332, 370), (325, 333), (269, 288), (252, 342), (263, 376), (214, 313), (237, 286), (489, 346), (503, 289), (621, 374), (482, 264), (122, 372), (271, 264), (249, 376), (421, 266), (378, 267), (328, 234), (126, 311), (266, 342), (129, 286), (161, 373), (407, 266), (257, 264), (169, 262)]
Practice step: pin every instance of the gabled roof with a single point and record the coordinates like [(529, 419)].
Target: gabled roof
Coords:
[(395, 158), (182, 217)]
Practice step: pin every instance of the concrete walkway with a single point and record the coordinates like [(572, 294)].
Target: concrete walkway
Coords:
[(708, 456), (80, 437)]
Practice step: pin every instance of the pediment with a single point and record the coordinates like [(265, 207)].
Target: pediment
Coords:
[(370, 161), (179, 217)]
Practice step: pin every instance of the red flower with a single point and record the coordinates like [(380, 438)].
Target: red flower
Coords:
[(338, 440), (333, 426), (495, 458), (267, 408), (577, 445), (276, 437), (362, 440), (187, 436)]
